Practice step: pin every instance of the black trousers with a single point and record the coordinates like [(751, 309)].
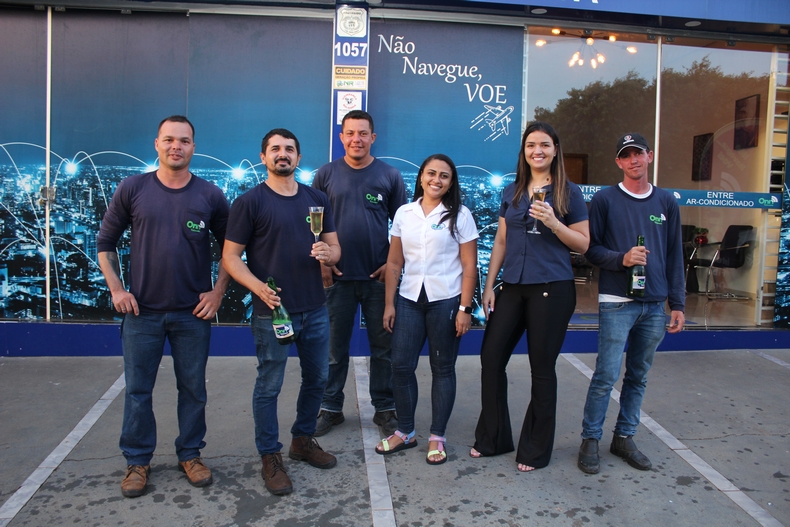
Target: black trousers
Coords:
[(543, 310)]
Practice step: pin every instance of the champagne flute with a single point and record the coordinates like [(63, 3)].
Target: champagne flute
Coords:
[(538, 193), (316, 221)]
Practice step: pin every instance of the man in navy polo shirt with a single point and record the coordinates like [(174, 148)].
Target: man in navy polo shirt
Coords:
[(270, 223), (365, 193), (171, 212), (618, 215)]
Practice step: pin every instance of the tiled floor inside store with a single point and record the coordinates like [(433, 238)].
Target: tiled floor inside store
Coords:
[(701, 311)]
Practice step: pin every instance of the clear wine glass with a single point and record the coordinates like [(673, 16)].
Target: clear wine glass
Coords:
[(316, 221), (538, 193)]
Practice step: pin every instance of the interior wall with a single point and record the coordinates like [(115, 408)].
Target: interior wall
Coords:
[(701, 82)]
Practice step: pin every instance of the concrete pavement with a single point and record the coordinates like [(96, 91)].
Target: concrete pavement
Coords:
[(720, 414)]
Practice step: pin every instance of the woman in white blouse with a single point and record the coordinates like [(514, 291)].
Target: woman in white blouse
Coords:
[(434, 244)]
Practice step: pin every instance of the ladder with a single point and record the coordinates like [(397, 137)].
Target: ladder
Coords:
[(778, 110)]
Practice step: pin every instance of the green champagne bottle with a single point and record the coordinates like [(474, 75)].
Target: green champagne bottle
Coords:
[(636, 275), (281, 320)]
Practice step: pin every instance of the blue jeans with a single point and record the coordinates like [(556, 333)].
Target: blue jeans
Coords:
[(143, 339), (642, 325), (414, 321), (312, 344), (342, 299)]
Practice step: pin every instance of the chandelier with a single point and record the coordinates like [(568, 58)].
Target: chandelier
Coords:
[(587, 52)]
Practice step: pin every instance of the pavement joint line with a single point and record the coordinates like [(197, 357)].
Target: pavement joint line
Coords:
[(378, 481), (725, 486), (771, 358), (30, 486)]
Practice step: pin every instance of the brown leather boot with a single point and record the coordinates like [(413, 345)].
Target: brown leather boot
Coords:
[(306, 448), (197, 473), (275, 478), (133, 484)]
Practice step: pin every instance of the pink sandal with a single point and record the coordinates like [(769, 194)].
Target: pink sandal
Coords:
[(439, 450), (385, 443)]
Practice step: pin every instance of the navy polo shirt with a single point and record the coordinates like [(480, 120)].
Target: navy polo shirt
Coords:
[(537, 258)]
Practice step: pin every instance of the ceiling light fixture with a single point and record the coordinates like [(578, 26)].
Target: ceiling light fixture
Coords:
[(587, 51)]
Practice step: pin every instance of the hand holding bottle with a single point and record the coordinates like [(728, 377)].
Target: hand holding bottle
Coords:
[(636, 256), (269, 296), (637, 275), (281, 319)]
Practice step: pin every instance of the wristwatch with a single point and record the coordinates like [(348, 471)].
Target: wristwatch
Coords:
[(465, 309)]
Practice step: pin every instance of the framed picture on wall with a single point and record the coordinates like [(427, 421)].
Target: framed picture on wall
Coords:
[(747, 122), (702, 157)]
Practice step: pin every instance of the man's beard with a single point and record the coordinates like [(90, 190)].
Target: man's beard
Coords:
[(284, 171)]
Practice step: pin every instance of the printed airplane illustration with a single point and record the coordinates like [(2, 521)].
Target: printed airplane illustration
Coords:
[(496, 118)]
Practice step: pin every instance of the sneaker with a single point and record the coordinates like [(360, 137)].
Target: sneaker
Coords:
[(589, 462), (387, 420), (625, 448), (275, 478), (326, 420), (197, 473), (306, 448), (133, 484)]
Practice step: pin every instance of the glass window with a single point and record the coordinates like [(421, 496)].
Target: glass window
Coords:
[(592, 86), (714, 107)]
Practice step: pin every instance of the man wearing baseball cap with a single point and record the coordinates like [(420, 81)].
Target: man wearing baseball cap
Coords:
[(618, 215)]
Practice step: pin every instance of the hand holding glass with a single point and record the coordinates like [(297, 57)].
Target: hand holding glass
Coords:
[(538, 193), (316, 221)]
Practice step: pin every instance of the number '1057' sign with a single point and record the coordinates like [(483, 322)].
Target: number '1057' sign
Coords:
[(348, 50)]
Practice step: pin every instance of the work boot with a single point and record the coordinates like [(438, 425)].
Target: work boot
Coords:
[(275, 478), (326, 420), (306, 448), (133, 483), (625, 448), (387, 420), (589, 462), (197, 473)]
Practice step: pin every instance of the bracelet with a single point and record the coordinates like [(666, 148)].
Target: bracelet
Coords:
[(554, 230)]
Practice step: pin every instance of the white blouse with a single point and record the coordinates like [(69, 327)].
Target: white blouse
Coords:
[(431, 255)]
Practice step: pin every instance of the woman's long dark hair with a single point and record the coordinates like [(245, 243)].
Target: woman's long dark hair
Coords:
[(558, 175), (451, 200)]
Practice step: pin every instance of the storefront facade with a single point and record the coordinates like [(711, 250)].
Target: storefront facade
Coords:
[(710, 91)]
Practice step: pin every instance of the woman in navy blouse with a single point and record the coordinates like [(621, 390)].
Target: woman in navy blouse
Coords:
[(537, 295)]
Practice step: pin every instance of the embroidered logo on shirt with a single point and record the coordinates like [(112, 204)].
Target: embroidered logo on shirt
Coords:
[(374, 199), (658, 220), (437, 227), (195, 227)]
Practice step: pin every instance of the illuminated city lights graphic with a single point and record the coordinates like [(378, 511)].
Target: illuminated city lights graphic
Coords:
[(85, 183)]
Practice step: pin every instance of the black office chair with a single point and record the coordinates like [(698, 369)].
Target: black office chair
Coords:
[(687, 237), (582, 269), (731, 254)]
